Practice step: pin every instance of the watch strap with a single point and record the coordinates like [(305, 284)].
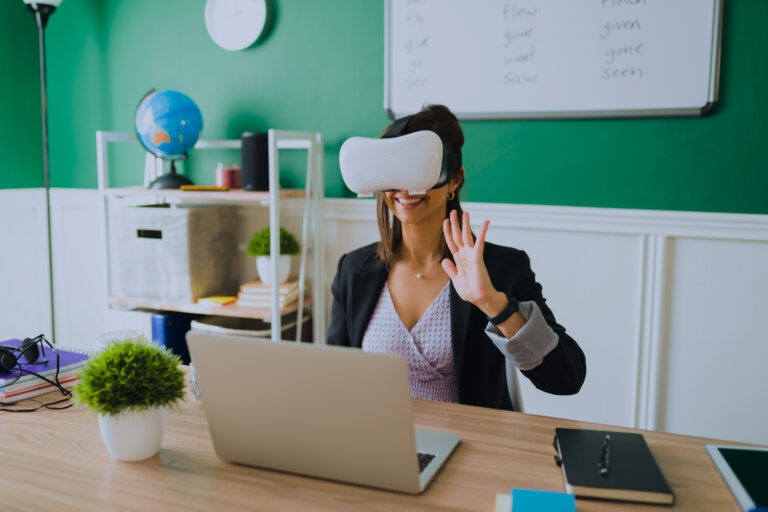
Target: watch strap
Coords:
[(512, 307)]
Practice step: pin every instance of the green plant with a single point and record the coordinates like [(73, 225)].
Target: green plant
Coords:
[(259, 245), (130, 374)]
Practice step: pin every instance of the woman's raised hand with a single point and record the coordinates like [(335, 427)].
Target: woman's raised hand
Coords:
[(468, 274)]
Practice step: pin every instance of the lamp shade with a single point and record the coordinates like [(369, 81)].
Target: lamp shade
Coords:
[(52, 3)]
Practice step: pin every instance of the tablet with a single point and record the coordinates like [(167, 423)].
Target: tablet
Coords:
[(745, 470)]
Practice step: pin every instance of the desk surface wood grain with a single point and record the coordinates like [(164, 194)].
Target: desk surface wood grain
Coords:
[(56, 460)]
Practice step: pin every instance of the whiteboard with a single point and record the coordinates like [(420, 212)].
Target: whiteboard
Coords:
[(487, 59)]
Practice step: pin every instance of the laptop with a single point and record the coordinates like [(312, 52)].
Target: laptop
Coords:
[(329, 412)]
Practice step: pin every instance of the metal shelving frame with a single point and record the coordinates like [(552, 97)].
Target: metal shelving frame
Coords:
[(312, 213)]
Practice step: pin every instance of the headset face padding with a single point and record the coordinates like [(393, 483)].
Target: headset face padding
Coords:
[(413, 162)]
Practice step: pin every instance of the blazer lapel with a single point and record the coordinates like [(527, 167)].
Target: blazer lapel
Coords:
[(460, 310), (367, 284)]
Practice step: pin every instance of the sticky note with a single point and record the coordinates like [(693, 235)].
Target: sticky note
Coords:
[(532, 500)]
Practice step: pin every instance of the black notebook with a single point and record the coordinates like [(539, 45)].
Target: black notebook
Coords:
[(620, 468)]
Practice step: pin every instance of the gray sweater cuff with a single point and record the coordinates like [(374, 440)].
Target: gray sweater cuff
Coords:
[(533, 341)]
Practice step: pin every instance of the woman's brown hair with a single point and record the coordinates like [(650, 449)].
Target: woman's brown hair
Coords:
[(440, 120)]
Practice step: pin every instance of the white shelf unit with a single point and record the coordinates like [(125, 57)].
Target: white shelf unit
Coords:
[(311, 232)]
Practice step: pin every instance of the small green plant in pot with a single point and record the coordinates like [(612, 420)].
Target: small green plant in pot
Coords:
[(130, 384), (259, 248)]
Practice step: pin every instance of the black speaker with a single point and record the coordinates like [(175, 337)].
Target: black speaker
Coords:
[(254, 155)]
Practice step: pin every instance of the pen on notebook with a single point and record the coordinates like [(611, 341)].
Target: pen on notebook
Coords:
[(605, 456)]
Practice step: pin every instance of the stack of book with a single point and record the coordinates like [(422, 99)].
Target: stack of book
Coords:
[(19, 384), (256, 294)]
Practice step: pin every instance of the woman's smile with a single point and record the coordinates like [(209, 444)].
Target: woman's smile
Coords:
[(409, 202)]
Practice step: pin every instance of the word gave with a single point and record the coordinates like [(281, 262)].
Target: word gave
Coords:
[(512, 35)]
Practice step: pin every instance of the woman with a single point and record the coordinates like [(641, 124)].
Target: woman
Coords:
[(457, 308)]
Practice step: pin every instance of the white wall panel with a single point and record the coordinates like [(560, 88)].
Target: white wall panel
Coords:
[(78, 268), (715, 352), (24, 284), (592, 284)]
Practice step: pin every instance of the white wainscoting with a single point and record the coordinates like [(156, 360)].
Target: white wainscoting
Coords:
[(79, 268), (25, 307), (667, 306)]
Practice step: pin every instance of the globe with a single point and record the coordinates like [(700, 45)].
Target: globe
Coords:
[(168, 123)]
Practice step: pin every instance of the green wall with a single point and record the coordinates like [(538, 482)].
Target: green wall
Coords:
[(21, 132), (320, 69)]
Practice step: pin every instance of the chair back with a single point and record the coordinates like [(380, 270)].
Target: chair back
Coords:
[(513, 387)]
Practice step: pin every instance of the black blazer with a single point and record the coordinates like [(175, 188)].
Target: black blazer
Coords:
[(479, 365)]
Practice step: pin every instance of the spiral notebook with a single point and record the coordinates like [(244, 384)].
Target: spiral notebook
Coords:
[(17, 382)]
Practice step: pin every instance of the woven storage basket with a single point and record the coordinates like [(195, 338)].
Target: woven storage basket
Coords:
[(175, 253)]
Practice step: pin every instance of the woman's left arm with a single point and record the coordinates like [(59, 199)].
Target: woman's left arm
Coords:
[(530, 336)]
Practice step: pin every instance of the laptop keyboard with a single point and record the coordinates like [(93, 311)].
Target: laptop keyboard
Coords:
[(424, 460)]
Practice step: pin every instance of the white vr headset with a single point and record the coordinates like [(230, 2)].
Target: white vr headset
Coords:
[(415, 162)]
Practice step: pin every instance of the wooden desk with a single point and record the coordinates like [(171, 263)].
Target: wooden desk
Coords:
[(56, 460)]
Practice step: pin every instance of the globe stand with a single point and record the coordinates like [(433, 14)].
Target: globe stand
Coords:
[(170, 180)]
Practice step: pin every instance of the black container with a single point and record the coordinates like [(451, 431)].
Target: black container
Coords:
[(254, 166)]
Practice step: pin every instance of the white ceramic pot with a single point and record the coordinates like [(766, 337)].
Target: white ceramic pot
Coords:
[(132, 436), (264, 268)]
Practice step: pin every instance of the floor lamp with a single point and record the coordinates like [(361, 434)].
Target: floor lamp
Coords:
[(42, 9)]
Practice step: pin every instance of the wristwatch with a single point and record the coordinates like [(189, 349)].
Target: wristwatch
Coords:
[(512, 307)]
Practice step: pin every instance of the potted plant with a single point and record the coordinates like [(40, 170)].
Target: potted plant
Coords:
[(131, 383), (260, 249)]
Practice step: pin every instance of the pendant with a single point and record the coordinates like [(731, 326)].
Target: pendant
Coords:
[(418, 276)]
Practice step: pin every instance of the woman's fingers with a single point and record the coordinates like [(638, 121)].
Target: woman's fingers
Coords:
[(455, 228), (449, 237), (480, 244), (449, 268), (466, 230), (460, 235)]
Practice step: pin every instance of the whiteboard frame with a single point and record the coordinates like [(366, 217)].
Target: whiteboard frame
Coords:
[(709, 107)]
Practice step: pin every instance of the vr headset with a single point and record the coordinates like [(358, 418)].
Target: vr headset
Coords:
[(415, 162)]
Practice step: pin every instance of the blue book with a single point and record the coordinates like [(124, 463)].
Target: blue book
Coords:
[(534, 500), (68, 359)]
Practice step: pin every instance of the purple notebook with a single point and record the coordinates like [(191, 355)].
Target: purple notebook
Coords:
[(68, 359)]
